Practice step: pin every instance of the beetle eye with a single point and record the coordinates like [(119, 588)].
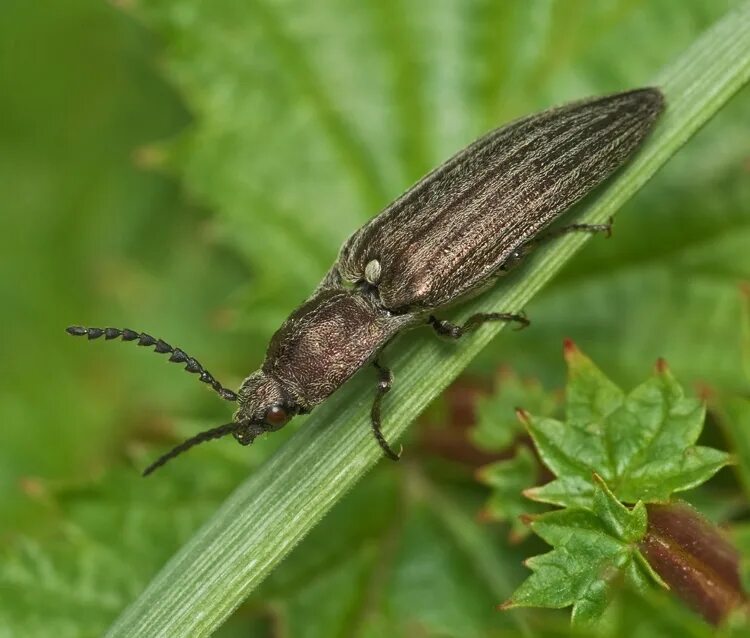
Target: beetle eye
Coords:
[(276, 416)]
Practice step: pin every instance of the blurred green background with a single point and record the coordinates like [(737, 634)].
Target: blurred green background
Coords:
[(190, 168)]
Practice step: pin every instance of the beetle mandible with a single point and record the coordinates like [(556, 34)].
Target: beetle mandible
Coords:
[(446, 239)]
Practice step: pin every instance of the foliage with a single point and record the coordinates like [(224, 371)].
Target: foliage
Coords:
[(508, 480), (509, 392), (613, 448), (592, 548), (642, 444), (355, 101)]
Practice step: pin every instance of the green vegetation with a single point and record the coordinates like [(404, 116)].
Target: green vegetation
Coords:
[(190, 168)]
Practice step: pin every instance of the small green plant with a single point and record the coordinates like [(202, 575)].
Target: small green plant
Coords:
[(613, 457)]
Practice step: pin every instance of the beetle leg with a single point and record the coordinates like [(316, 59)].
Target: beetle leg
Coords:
[(385, 380), (454, 331), (518, 255), (574, 228)]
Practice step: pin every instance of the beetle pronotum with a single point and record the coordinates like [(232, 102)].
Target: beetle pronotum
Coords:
[(446, 239)]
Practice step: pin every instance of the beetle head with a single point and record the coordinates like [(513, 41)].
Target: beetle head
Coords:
[(263, 407)]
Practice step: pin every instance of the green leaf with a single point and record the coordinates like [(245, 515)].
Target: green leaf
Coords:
[(627, 525), (590, 396), (103, 546), (81, 585), (497, 424), (591, 551), (508, 480), (269, 514), (642, 444)]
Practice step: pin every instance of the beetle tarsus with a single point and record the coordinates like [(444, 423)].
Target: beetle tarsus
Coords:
[(385, 380)]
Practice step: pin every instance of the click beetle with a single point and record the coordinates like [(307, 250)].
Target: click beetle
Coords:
[(446, 239)]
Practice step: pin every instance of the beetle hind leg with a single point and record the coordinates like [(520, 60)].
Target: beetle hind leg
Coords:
[(385, 381), (455, 331), (532, 244), (576, 228)]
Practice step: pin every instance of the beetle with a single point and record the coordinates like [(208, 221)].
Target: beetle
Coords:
[(446, 239)]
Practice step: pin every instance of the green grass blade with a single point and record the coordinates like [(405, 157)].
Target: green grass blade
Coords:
[(269, 513)]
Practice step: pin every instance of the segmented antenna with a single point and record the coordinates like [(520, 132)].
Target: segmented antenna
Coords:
[(201, 437), (162, 347)]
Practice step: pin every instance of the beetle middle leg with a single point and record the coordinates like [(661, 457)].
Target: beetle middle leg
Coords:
[(385, 381), (455, 331)]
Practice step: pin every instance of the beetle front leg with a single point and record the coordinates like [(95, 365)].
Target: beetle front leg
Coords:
[(385, 380), (454, 331)]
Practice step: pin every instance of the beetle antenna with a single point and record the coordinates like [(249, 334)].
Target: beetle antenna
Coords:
[(201, 437), (162, 347)]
